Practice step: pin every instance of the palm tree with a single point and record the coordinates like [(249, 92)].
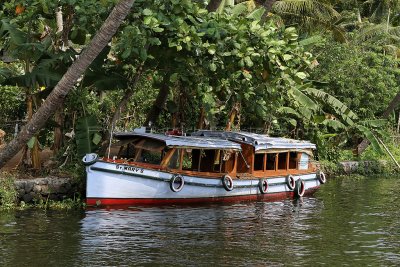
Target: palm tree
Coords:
[(310, 15), (57, 96)]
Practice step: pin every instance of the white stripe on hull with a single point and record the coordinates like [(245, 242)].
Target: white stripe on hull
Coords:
[(109, 180)]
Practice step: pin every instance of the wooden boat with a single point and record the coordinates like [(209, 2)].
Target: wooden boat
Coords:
[(209, 166)]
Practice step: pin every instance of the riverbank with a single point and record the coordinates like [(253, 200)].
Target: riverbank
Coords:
[(362, 167), (20, 192), (46, 192)]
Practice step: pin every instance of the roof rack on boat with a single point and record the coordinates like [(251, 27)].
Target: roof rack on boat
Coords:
[(182, 141), (259, 141)]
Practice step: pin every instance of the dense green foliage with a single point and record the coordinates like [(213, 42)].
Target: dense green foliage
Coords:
[(364, 80), (321, 70)]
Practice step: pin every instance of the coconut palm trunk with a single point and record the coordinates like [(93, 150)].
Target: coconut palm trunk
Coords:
[(57, 96)]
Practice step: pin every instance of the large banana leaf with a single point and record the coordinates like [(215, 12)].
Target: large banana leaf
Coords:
[(87, 135), (335, 124), (288, 111), (303, 99), (341, 109), (371, 137)]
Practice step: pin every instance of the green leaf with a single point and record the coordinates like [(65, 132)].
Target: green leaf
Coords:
[(256, 14), (292, 122), (96, 138), (147, 20), (78, 36), (239, 9), (288, 111), (248, 61), (172, 107), (213, 67), (301, 75), (147, 12), (335, 124), (340, 109), (211, 50), (174, 77), (373, 123), (287, 57), (31, 142), (126, 53), (371, 137), (303, 99), (86, 128)]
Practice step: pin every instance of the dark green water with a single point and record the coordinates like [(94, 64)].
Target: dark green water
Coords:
[(349, 222)]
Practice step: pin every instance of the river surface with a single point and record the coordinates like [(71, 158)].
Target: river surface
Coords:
[(348, 222)]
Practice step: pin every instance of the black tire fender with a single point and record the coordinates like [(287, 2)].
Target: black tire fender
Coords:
[(176, 179), (227, 182), (290, 182), (321, 177), (263, 185), (300, 188), (90, 159)]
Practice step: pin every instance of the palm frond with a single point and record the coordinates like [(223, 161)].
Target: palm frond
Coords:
[(311, 8), (372, 30)]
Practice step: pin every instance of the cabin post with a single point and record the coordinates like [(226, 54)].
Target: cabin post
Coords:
[(199, 164), (265, 162), (167, 158), (183, 151), (287, 160)]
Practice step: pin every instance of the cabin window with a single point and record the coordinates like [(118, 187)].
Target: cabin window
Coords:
[(205, 160), (282, 161), (271, 157), (151, 157), (217, 161), (259, 162), (303, 164), (175, 160), (187, 160), (292, 160)]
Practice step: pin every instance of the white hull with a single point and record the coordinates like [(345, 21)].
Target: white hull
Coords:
[(112, 183)]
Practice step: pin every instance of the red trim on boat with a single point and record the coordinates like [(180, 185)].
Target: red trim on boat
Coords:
[(160, 201)]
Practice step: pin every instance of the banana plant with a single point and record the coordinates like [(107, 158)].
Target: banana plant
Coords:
[(309, 104), (87, 135)]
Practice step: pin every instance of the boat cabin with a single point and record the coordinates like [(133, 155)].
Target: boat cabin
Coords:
[(213, 153), (263, 156), (180, 154)]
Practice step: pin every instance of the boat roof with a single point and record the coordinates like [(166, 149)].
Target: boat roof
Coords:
[(258, 141), (182, 141)]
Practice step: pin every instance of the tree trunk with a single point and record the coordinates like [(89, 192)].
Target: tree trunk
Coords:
[(58, 130), (34, 152), (59, 19), (232, 115), (200, 123), (121, 109), (213, 5), (57, 96), (268, 5), (63, 33), (159, 103), (392, 105)]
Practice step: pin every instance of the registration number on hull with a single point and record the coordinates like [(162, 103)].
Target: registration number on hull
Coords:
[(129, 168)]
